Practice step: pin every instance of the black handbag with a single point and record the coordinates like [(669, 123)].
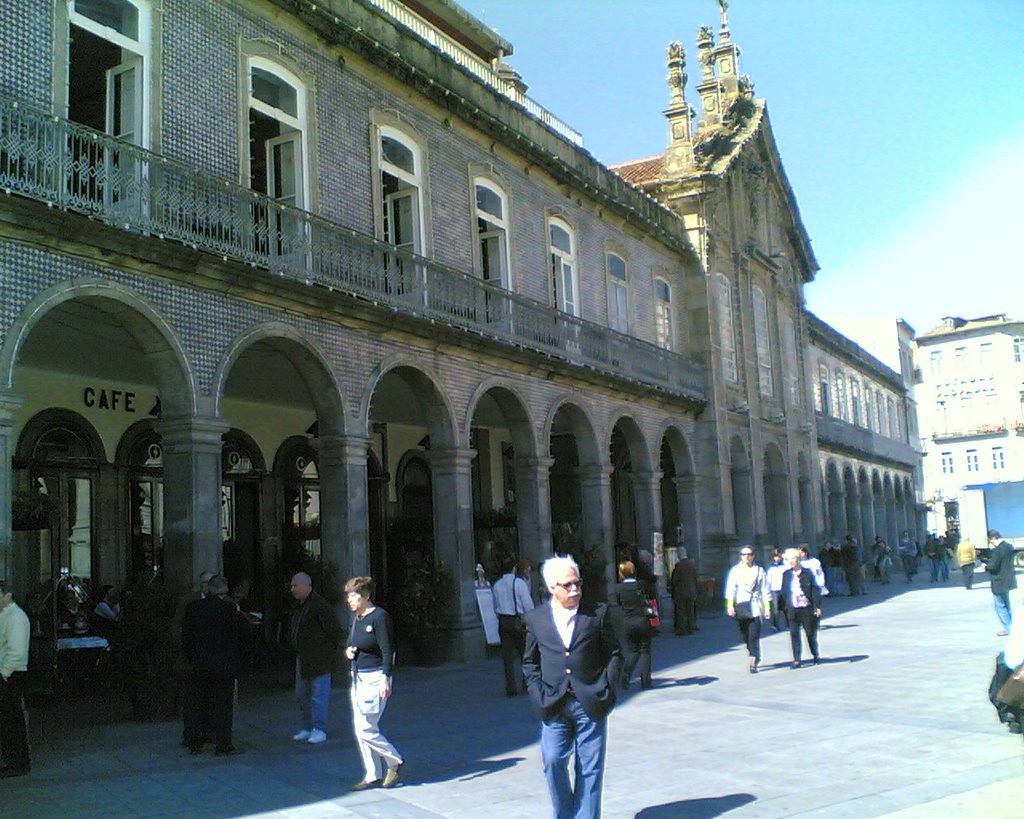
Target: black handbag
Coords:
[(744, 610)]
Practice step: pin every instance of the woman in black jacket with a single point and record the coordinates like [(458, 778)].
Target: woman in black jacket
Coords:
[(637, 648)]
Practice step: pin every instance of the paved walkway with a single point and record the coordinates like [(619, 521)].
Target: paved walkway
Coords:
[(894, 722)]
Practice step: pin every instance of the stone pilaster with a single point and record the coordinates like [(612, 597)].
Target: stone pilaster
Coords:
[(9, 406), (344, 517), (533, 507), (597, 529)]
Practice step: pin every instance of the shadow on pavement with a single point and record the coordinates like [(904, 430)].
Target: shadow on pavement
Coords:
[(697, 808)]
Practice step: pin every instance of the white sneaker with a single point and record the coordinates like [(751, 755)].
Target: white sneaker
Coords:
[(302, 735), (316, 736)]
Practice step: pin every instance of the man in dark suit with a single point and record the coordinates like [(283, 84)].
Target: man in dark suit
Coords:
[(571, 658), (1004, 578), (211, 636), (800, 597), (684, 594)]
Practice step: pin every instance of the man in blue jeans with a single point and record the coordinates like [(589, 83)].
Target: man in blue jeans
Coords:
[(571, 658), (315, 633), (1004, 578)]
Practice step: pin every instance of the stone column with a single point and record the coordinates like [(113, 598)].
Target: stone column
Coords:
[(597, 529), (192, 479), (9, 406), (344, 520), (689, 516), (451, 472), (649, 520), (533, 507), (837, 514)]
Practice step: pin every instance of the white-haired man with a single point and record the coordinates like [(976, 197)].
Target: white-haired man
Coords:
[(571, 658)]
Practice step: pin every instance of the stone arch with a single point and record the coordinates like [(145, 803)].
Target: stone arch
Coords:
[(633, 499), (309, 362), (835, 497), (680, 517), (157, 341), (515, 409), (426, 386), (777, 505)]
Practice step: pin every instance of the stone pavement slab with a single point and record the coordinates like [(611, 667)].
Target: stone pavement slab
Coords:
[(895, 721)]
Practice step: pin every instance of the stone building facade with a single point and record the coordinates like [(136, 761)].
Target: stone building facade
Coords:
[(317, 285), (291, 286), (777, 449)]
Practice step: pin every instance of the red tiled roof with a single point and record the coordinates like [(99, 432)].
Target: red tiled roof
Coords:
[(639, 171)]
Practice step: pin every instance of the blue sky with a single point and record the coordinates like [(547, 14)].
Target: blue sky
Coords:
[(900, 124)]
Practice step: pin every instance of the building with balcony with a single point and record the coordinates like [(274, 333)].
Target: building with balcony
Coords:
[(971, 399), (866, 423), (293, 286)]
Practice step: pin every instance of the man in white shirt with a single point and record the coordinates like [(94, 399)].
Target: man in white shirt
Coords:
[(14, 640), (511, 601)]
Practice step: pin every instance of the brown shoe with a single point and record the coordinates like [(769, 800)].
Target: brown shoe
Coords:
[(362, 785), (391, 777)]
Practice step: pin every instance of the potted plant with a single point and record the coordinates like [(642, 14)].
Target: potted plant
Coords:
[(424, 610), (31, 510)]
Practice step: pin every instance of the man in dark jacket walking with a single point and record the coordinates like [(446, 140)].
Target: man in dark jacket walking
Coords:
[(684, 594), (211, 636), (315, 633), (1000, 568)]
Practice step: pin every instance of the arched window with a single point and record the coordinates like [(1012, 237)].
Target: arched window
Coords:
[(664, 317), (824, 403), (726, 327), (564, 283), (618, 293), (869, 408), (278, 160), (296, 469), (401, 183), (492, 232), (854, 401), (841, 406)]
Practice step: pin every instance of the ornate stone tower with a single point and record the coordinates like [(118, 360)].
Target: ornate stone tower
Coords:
[(679, 156)]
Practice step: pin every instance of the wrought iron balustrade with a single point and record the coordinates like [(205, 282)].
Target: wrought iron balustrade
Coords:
[(78, 169)]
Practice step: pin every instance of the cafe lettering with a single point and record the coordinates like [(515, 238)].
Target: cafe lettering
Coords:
[(115, 400)]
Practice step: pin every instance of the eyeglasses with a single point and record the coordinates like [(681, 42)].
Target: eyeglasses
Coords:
[(572, 584), (746, 554)]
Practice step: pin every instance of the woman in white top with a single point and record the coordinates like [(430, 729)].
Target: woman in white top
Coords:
[(748, 598)]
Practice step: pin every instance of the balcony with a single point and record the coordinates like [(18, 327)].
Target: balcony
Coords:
[(863, 443), (76, 169), (980, 431)]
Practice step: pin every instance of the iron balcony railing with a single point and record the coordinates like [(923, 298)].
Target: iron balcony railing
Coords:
[(482, 70), (78, 169)]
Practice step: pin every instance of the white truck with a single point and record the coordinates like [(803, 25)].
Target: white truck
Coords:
[(998, 506)]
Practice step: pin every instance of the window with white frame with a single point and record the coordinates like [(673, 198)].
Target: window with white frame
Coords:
[(972, 460), (935, 358), (109, 67), (618, 293), (664, 318), (564, 282), (824, 402), (960, 358), (763, 343), (491, 205), (401, 184), (947, 462), (998, 458), (854, 401), (1018, 349), (278, 161), (985, 357), (726, 328)]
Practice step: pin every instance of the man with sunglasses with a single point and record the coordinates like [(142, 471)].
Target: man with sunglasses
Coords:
[(571, 658)]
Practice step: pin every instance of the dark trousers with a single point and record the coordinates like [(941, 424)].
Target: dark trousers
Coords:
[(804, 618), (14, 722), (750, 628), (637, 650), (967, 570), (513, 644), (853, 578), (210, 710), (685, 615), (778, 613)]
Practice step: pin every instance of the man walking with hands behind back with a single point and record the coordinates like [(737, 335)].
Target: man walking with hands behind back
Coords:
[(572, 656), (315, 635), (14, 639)]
